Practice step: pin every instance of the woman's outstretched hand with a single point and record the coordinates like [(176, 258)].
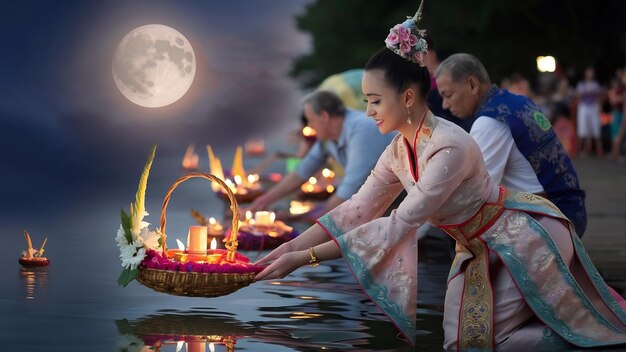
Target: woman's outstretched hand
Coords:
[(282, 266), (275, 254)]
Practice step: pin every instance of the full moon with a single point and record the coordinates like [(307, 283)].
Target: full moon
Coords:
[(154, 65)]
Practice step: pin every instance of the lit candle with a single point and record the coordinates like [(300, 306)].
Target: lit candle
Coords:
[(214, 228), (214, 256), (299, 208), (197, 240), (264, 218)]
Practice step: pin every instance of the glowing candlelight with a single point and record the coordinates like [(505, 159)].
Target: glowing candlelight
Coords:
[(211, 347), (231, 185), (312, 180), (180, 244), (328, 173), (215, 228), (237, 179), (248, 215), (330, 188), (213, 244), (299, 208), (264, 218), (251, 179)]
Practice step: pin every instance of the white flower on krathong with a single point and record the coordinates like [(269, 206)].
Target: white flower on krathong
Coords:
[(150, 239), (132, 256), (130, 343), (138, 219), (121, 237)]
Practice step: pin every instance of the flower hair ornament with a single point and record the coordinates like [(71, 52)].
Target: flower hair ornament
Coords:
[(406, 40)]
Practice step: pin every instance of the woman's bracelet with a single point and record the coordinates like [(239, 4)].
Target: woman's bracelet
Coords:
[(314, 261)]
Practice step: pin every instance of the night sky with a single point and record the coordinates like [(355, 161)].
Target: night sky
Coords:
[(67, 135)]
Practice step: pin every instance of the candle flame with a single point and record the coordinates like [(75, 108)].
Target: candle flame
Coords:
[(328, 173), (308, 188), (252, 178), (212, 221), (298, 208), (312, 180), (330, 188), (272, 217), (248, 215), (213, 243), (181, 246), (237, 179)]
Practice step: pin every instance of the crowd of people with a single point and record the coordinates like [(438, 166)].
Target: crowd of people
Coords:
[(587, 115)]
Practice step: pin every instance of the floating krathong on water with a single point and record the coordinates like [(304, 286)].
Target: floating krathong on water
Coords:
[(245, 187), (33, 257), (190, 160)]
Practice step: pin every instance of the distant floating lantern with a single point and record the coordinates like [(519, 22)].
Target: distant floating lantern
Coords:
[(246, 188), (33, 257), (262, 231), (321, 189), (255, 146), (190, 160)]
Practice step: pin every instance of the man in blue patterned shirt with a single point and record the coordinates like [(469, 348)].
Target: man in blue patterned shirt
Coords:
[(519, 146)]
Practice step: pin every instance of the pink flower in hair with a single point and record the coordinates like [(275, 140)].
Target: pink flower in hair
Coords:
[(405, 48), (404, 34), (413, 40), (392, 38)]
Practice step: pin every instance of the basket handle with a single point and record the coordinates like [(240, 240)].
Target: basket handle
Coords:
[(231, 245)]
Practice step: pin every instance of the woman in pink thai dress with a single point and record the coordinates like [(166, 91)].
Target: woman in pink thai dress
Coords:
[(521, 277)]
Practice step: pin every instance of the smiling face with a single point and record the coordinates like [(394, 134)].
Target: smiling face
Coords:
[(462, 98), (384, 104)]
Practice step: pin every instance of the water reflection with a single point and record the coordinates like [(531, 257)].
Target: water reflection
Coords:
[(298, 328), (183, 331), (34, 281)]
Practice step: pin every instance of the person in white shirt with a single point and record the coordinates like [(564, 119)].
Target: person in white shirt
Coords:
[(520, 148)]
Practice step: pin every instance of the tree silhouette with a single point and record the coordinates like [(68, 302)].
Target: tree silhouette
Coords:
[(505, 35)]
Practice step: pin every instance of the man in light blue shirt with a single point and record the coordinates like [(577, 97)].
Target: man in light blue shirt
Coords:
[(348, 136)]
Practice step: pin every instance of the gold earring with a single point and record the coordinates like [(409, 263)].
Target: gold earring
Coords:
[(408, 119)]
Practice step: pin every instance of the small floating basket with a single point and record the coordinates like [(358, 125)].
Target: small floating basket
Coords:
[(200, 284), (242, 197), (34, 262)]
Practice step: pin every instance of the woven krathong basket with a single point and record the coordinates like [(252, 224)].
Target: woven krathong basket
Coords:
[(197, 284)]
